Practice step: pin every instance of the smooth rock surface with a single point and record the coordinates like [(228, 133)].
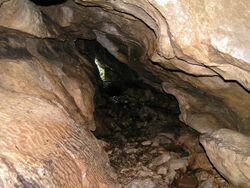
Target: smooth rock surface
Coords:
[(229, 152), (25, 16)]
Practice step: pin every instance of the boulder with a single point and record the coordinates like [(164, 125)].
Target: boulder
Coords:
[(229, 152)]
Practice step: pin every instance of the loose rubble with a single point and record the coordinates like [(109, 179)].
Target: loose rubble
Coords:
[(148, 146)]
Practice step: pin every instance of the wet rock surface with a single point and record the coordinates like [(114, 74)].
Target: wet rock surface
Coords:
[(148, 146)]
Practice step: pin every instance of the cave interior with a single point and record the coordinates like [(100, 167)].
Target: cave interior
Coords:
[(112, 103)]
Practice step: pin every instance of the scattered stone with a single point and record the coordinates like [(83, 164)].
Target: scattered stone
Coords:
[(146, 151), (169, 178), (155, 143), (162, 170), (146, 143), (178, 164), (199, 161), (207, 184), (131, 150), (167, 135), (143, 173), (187, 182), (153, 151), (163, 158), (161, 139), (203, 175), (157, 176), (190, 142), (138, 183)]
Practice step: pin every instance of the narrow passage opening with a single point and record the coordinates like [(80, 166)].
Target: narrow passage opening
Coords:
[(148, 146)]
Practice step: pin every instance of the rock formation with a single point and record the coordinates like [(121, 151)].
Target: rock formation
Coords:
[(46, 111), (199, 51), (231, 149)]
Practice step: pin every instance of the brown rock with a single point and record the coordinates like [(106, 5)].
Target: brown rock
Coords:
[(199, 161), (187, 182)]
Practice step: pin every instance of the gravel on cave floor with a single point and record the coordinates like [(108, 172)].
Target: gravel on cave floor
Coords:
[(147, 145)]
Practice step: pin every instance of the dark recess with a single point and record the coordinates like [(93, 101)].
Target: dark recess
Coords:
[(48, 2)]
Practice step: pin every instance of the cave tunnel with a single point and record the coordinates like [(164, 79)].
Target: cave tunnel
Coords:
[(134, 94)]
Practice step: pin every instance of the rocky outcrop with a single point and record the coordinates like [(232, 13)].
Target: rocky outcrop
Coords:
[(230, 153), (46, 111)]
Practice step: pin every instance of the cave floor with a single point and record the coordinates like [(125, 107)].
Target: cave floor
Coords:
[(147, 144)]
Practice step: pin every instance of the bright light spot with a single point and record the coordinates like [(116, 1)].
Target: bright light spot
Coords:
[(100, 69), (220, 42), (162, 2)]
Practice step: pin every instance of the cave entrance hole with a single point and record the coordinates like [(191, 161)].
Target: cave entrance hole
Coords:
[(139, 127)]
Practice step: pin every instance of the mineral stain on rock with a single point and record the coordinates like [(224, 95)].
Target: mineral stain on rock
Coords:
[(26, 183)]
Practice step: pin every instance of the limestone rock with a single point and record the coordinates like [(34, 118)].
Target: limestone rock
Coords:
[(44, 136), (207, 184), (193, 51), (25, 16), (178, 164), (146, 143), (163, 158), (229, 152), (162, 170), (196, 50), (146, 183)]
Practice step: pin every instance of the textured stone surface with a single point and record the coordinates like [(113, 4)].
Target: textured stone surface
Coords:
[(46, 111), (25, 16), (196, 50), (229, 151), (190, 51), (191, 47)]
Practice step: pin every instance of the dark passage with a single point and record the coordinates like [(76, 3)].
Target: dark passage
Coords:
[(138, 126), (48, 2)]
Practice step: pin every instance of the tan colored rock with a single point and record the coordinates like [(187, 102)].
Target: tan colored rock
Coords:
[(229, 152), (195, 46), (25, 16), (198, 50), (44, 136)]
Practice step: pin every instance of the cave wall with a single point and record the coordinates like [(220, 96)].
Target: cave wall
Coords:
[(196, 50), (46, 112)]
